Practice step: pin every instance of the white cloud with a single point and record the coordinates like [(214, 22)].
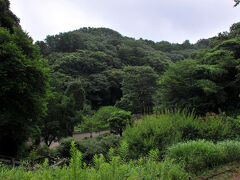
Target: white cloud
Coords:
[(156, 20)]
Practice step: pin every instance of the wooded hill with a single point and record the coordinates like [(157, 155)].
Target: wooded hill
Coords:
[(96, 57)]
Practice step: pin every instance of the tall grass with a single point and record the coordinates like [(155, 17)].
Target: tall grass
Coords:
[(170, 127)]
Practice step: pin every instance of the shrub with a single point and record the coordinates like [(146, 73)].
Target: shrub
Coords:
[(119, 120), (63, 150), (230, 149), (103, 114), (39, 153), (164, 130), (88, 147), (159, 132), (219, 128), (197, 156)]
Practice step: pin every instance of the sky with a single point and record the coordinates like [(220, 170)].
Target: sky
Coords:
[(157, 20)]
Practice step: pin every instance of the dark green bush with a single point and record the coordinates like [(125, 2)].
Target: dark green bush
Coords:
[(219, 128), (39, 153), (63, 150)]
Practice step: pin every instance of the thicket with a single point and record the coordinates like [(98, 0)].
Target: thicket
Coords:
[(163, 130)]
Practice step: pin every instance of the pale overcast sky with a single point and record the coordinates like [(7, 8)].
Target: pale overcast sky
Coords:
[(157, 20)]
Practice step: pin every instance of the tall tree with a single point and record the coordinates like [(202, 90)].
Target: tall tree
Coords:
[(138, 87), (23, 83)]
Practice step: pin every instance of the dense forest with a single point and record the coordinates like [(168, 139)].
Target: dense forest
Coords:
[(163, 98)]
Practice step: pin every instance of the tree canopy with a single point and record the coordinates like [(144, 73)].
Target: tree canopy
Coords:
[(24, 83), (208, 82)]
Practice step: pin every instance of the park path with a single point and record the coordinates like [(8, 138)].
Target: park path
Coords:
[(80, 137)]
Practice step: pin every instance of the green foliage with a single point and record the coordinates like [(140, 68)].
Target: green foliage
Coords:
[(92, 73), (103, 114), (75, 161), (153, 155), (113, 170), (61, 118), (89, 147), (205, 85), (24, 88), (161, 131), (97, 57), (197, 156), (209, 81), (123, 151), (7, 19), (39, 153), (119, 121), (138, 87), (89, 124), (76, 90)]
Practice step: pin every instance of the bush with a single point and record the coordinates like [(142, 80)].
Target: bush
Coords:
[(197, 156), (164, 130), (103, 114), (158, 132), (230, 149), (219, 128), (39, 153), (63, 149), (88, 147), (119, 120)]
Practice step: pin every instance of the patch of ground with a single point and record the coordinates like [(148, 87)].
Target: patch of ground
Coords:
[(228, 172)]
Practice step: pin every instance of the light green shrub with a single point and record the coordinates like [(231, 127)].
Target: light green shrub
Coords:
[(197, 156), (103, 114)]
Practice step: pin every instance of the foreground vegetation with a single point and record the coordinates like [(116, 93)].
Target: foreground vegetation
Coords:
[(182, 160), (170, 145)]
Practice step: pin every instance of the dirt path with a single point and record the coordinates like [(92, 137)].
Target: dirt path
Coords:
[(80, 137)]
